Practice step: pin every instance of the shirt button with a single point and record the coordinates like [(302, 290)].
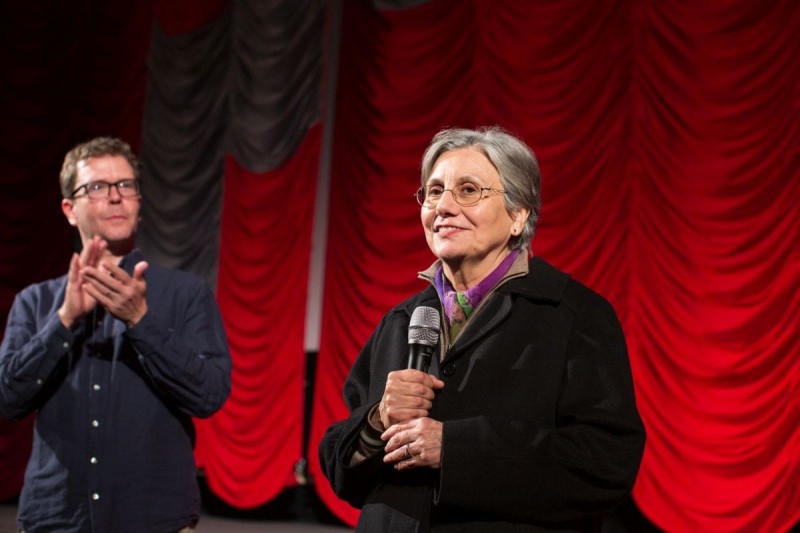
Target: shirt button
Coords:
[(95, 496), (95, 423), (449, 369), (38, 381), (93, 460), (65, 345), (96, 386)]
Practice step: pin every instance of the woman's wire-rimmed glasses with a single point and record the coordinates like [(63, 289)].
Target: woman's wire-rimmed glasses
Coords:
[(465, 194)]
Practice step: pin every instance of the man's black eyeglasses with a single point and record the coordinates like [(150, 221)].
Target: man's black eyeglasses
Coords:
[(96, 190)]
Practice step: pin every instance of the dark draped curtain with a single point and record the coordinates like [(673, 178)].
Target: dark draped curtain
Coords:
[(668, 137)]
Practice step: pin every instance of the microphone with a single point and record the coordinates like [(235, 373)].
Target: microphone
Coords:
[(423, 337)]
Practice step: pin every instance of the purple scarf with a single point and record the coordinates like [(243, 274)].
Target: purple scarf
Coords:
[(458, 306)]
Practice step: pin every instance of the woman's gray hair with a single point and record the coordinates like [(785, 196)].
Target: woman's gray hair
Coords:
[(514, 160)]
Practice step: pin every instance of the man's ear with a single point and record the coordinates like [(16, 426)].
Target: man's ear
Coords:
[(67, 207)]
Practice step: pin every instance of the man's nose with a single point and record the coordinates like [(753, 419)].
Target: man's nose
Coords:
[(113, 193)]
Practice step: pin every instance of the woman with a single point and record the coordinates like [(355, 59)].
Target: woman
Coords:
[(527, 420)]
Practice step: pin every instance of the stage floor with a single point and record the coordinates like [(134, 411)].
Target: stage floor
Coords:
[(208, 524)]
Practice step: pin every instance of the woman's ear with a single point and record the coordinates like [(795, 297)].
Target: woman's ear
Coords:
[(519, 218)]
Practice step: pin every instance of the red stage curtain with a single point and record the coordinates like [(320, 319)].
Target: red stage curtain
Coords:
[(667, 134), (249, 448)]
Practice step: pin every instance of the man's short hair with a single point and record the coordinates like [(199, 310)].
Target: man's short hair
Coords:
[(97, 147)]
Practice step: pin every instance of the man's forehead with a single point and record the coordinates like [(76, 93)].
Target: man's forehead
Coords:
[(110, 162)]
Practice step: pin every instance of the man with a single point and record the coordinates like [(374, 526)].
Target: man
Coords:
[(116, 357)]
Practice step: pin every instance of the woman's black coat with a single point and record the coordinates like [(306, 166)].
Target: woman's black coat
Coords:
[(541, 431)]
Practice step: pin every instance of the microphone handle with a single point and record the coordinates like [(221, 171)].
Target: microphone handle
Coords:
[(419, 356)]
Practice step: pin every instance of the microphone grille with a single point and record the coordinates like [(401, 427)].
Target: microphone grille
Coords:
[(424, 326)]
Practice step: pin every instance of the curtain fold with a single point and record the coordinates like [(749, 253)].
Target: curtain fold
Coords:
[(249, 449), (185, 122), (276, 74)]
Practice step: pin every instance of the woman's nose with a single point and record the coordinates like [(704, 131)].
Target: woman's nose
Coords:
[(447, 203)]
